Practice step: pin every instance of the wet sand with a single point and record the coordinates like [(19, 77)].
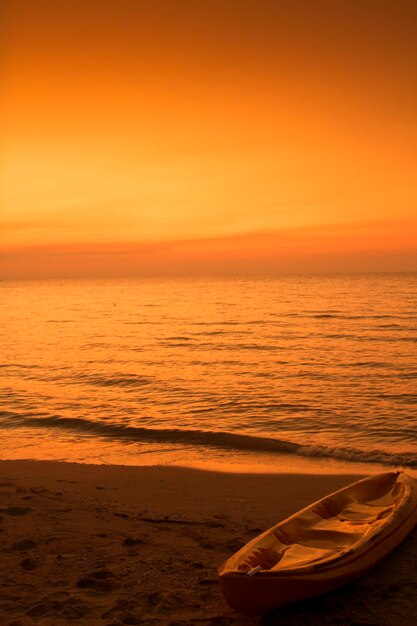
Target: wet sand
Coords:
[(111, 545)]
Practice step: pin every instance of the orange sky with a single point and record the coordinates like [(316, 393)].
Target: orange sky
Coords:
[(173, 136)]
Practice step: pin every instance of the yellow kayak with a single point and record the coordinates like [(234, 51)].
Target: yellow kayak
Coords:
[(323, 546)]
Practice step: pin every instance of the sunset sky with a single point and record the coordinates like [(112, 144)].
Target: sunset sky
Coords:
[(163, 137)]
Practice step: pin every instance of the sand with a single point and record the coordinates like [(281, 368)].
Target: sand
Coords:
[(141, 545)]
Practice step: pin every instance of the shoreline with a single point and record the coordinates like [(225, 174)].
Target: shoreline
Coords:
[(102, 452), (114, 545)]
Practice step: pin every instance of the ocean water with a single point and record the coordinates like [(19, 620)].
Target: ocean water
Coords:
[(231, 370)]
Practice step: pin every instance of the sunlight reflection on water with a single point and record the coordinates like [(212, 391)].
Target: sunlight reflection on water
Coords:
[(316, 361)]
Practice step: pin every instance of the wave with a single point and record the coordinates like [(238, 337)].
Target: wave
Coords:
[(217, 439), (337, 315), (60, 321), (121, 380), (18, 365)]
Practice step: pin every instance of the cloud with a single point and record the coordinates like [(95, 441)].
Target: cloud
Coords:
[(369, 246)]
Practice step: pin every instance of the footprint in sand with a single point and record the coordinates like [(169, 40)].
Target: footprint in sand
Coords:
[(29, 564), (214, 524), (17, 511), (201, 541), (62, 603), (131, 620), (121, 611), (233, 545), (155, 598), (162, 602), (23, 545), (39, 489), (98, 581), (132, 541), (217, 620), (208, 581), (151, 606)]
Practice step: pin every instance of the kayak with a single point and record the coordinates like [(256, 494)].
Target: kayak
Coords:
[(329, 543)]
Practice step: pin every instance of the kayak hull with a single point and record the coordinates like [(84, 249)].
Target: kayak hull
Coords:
[(266, 590)]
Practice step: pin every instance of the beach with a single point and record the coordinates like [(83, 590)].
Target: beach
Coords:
[(114, 545), (208, 312)]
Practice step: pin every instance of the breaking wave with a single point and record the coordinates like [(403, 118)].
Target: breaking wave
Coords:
[(217, 439)]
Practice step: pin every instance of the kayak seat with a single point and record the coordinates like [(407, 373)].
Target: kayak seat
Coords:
[(297, 555), (335, 535), (364, 513), (300, 544)]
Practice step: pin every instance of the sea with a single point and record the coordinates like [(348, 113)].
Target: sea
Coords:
[(271, 374)]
